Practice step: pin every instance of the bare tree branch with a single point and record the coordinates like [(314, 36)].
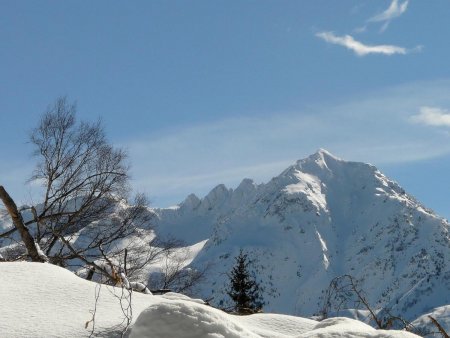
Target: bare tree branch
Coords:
[(9, 232), (439, 327)]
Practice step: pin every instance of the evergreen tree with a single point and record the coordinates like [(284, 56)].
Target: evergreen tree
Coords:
[(243, 288)]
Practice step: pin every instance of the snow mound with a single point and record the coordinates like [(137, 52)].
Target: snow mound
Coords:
[(269, 325), (179, 296), (346, 327), (43, 300), (191, 320), (180, 319)]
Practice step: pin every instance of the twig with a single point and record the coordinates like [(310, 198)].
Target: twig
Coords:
[(97, 295)]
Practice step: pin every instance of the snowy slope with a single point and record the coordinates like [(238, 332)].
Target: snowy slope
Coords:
[(320, 218), (43, 300)]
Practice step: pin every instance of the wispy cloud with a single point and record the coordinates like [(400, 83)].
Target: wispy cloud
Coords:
[(394, 10), (432, 116), (359, 48), (360, 29)]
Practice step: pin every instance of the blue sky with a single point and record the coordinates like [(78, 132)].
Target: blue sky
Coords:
[(209, 92)]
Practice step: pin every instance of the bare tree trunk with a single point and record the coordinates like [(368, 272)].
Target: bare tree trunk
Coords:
[(90, 273), (125, 262), (19, 224)]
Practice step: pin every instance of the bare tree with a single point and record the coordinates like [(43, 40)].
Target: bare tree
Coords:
[(86, 220), (175, 274), (345, 292), (85, 187)]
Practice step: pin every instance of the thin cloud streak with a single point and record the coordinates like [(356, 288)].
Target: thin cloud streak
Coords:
[(432, 116), (359, 48), (394, 10), (360, 29), (385, 26)]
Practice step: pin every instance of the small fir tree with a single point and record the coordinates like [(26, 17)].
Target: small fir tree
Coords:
[(243, 288)]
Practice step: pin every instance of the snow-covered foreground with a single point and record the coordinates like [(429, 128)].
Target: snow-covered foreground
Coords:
[(43, 300)]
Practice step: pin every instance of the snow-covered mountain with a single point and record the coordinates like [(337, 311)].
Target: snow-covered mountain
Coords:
[(320, 218)]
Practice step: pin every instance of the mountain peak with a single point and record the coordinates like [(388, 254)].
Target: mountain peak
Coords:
[(325, 153), (246, 185), (191, 202), (322, 155), (322, 161)]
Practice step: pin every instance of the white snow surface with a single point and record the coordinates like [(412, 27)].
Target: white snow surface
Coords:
[(198, 321), (43, 300)]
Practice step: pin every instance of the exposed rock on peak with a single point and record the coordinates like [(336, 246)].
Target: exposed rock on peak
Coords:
[(191, 202)]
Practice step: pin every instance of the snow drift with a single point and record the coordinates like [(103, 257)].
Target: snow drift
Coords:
[(43, 300)]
